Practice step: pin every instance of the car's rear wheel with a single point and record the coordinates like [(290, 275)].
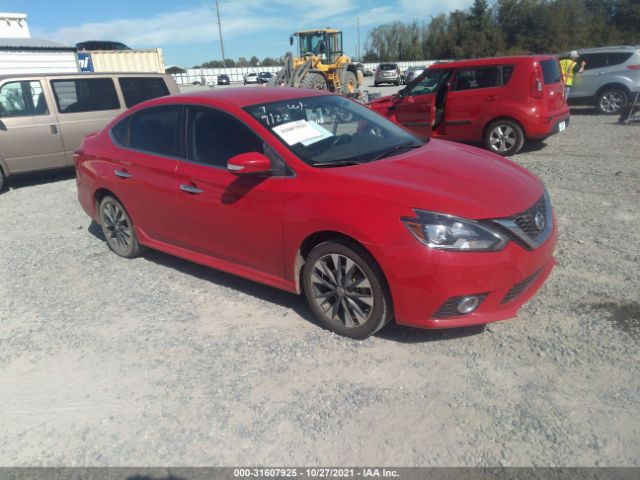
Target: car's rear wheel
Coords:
[(117, 228), (346, 290), (504, 137), (611, 101)]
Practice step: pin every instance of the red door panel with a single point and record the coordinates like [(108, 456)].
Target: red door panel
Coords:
[(416, 113), (231, 217)]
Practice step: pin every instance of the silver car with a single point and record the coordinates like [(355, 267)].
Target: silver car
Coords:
[(387, 73), (413, 73), (610, 78)]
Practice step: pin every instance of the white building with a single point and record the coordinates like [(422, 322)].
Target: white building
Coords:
[(14, 25), (19, 53)]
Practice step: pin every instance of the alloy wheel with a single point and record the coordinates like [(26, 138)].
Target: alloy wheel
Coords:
[(502, 138), (117, 227), (611, 101), (342, 290)]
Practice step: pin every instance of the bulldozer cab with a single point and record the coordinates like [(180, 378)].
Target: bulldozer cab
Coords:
[(325, 44)]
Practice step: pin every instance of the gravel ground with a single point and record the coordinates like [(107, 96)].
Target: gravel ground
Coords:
[(157, 361)]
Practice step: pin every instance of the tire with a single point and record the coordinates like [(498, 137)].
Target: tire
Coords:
[(611, 101), (504, 137), (1, 179), (314, 81), (348, 82), (397, 84), (117, 228), (358, 311), (375, 84)]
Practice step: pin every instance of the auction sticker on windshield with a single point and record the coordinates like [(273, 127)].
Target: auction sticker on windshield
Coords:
[(302, 131)]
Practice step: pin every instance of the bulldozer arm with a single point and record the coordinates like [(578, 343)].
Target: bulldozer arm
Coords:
[(290, 76)]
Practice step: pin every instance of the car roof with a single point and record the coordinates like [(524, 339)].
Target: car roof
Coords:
[(615, 48), (242, 96), (491, 61)]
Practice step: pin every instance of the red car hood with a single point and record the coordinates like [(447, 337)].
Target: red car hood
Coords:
[(444, 177)]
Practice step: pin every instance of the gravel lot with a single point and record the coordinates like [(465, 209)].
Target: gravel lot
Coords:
[(157, 361)]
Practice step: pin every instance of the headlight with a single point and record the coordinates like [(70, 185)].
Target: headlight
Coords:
[(445, 232)]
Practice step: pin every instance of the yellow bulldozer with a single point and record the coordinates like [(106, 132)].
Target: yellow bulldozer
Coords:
[(320, 64)]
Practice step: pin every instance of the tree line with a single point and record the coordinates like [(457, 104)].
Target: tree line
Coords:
[(242, 62), (508, 27)]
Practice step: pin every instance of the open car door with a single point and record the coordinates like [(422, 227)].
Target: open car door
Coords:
[(415, 113)]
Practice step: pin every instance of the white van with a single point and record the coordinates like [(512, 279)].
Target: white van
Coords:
[(43, 118)]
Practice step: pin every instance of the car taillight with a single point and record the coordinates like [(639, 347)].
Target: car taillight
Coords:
[(536, 85), (633, 67)]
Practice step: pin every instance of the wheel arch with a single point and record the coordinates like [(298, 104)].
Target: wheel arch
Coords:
[(619, 85), (98, 195), (485, 127), (319, 237)]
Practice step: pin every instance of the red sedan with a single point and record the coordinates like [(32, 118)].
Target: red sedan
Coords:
[(313, 193)]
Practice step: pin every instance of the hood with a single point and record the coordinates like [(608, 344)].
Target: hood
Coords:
[(444, 177)]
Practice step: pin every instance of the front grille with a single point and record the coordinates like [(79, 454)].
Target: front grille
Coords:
[(530, 228), (448, 308), (519, 288), (526, 220)]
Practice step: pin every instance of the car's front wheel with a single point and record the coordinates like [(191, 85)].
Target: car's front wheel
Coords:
[(611, 101), (346, 289), (504, 137), (117, 228)]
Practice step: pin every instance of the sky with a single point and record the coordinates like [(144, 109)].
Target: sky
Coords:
[(187, 30)]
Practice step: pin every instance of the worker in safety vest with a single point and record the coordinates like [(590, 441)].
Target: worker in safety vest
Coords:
[(568, 67)]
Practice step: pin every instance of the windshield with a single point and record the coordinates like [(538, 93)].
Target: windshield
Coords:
[(428, 82), (331, 130), (312, 43)]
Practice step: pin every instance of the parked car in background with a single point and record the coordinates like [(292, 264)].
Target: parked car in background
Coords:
[(101, 45), (501, 102), (43, 118), (264, 77), (250, 78), (365, 219), (610, 76), (223, 79), (387, 73), (412, 73)]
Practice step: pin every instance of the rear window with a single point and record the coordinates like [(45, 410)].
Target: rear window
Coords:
[(139, 89), (85, 95), (551, 71), (616, 58), (388, 66)]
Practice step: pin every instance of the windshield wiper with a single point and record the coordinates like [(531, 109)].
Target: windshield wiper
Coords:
[(397, 148), (335, 163)]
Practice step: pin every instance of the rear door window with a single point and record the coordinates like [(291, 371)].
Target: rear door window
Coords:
[(616, 58), (21, 99), (551, 72), (155, 130), (475, 78), (138, 89), (85, 95)]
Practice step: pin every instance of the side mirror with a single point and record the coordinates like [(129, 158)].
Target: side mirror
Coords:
[(250, 163), (291, 40)]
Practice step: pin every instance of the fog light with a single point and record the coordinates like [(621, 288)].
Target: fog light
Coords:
[(467, 304)]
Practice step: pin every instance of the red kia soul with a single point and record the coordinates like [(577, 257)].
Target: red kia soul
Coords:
[(501, 102)]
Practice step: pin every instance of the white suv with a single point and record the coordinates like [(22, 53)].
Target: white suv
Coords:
[(611, 76)]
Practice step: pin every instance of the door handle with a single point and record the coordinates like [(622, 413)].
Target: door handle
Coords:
[(190, 189), (122, 174), (54, 129)]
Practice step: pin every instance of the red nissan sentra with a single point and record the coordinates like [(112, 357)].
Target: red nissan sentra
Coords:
[(313, 193)]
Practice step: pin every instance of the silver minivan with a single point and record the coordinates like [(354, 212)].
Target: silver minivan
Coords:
[(610, 77), (43, 118)]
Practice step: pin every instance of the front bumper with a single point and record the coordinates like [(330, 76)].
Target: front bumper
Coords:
[(422, 280)]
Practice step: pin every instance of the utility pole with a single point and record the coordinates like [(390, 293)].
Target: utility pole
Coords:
[(358, 49), (224, 60)]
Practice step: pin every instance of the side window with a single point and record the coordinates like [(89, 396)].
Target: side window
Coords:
[(155, 130), (616, 58), (20, 99), (594, 60), (477, 78), (506, 74), (138, 89), (120, 131), (214, 137), (85, 95), (429, 83)]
